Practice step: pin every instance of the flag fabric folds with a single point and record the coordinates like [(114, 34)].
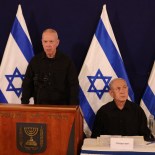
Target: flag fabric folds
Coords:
[(148, 99), (16, 57), (102, 64)]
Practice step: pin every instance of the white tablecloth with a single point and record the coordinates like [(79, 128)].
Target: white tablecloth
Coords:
[(93, 147)]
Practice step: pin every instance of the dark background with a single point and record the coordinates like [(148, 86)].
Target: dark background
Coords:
[(133, 23)]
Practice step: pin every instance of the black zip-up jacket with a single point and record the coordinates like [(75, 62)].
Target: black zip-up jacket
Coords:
[(50, 80), (130, 121)]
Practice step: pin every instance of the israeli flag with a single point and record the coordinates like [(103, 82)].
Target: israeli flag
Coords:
[(102, 64), (17, 54), (148, 99)]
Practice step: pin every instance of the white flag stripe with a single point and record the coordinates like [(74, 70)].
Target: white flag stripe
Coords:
[(146, 110), (86, 129)]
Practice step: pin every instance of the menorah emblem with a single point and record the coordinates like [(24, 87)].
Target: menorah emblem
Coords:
[(31, 132), (31, 137)]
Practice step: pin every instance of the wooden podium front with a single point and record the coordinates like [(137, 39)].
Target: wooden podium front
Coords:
[(41, 130)]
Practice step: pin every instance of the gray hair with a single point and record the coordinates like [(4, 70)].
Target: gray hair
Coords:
[(113, 80), (51, 31)]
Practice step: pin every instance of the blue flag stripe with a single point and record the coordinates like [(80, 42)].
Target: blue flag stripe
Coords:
[(112, 54), (22, 40), (2, 98), (149, 100), (88, 113)]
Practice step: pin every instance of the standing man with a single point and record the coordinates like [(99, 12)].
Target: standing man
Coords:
[(51, 76), (121, 116)]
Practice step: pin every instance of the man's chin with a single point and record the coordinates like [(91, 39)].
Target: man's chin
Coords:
[(123, 99)]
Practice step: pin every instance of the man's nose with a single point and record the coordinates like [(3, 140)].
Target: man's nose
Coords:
[(48, 44), (122, 89)]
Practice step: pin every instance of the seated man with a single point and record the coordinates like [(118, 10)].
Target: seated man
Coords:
[(121, 116)]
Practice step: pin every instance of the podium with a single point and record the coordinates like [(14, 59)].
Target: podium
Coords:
[(40, 130)]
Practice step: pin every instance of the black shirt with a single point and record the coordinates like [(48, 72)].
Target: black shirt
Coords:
[(50, 80), (130, 121)]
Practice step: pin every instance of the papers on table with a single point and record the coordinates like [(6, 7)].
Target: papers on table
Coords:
[(104, 140), (102, 143)]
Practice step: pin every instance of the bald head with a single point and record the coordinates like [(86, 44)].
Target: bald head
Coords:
[(112, 83)]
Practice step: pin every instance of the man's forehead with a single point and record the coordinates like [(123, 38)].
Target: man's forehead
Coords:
[(49, 37), (49, 33), (119, 83)]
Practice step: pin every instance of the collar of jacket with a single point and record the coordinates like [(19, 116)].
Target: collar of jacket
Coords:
[(43, 56)]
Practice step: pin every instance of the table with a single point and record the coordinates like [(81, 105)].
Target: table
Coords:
[(91, 152), (91, 147)]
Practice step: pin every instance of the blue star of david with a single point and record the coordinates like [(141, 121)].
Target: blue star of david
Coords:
[(10, 78), (106, 80)]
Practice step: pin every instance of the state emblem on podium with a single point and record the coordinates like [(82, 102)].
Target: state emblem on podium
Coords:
[(31, 137)]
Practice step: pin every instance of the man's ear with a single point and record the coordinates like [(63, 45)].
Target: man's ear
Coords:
[(58, 42), (111, 93)]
